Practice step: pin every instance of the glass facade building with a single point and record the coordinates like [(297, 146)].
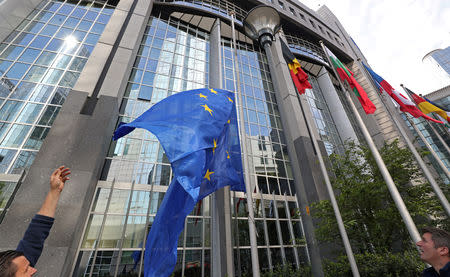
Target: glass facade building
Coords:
[(40, 61), (58, 54), (442, 57)]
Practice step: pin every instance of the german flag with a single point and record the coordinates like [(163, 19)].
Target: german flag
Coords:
[(427, 107), (299, 76)]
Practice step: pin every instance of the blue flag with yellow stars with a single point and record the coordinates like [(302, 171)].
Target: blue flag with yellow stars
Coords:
[(198, 131)]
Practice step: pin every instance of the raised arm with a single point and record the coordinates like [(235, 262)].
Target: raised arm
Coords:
[(57, 181), (33, 240)]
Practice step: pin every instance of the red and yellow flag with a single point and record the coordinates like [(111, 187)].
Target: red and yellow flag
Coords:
[(299, 76)]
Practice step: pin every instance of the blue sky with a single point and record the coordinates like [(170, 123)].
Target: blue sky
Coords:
[(395, 36)]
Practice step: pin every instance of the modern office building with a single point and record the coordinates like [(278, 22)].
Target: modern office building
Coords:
[(71, 70), (440, 60)]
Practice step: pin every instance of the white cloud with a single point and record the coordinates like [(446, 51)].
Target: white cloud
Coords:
[(395, 35)]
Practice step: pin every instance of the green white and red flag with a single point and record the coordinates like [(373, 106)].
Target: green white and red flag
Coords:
[(346, 75)]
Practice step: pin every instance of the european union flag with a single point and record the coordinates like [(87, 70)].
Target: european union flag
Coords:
[(199, 134)]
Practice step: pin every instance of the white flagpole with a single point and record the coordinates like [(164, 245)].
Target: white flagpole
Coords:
[(245, 164), (411, 227), (437, 190), (337, 213)]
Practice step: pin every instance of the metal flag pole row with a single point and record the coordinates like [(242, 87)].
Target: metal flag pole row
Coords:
[(437, 190), (337, 213), (411, 227), (439, 137), (427, 144), (245, 164)]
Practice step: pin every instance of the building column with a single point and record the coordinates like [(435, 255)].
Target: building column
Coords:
[(221, 242), (340, 118), (79, 139), (307, 174)]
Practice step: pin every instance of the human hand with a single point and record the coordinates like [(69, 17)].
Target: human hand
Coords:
[(59, 178)]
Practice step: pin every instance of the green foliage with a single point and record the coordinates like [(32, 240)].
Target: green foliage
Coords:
[(406, 264), (371, 218)]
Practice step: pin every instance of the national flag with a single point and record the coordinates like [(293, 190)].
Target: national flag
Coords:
[(405, 104), (440, 107), (299, 76), (426, 107), (346, 75), (198, 131)]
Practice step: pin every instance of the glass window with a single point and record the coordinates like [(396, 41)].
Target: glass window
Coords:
[(49, 115), (23, 161), (40, 42), (66, 9), (4, 65), (57, 19), (79, 12), (61, 61), (52, 76), (69, 79), (3, 128), (91, 236), (9, 111), (63, 33), (46, 58), (54, 45), (36, 138), (98, 28), (29, 55), (29, 113), (17, 70), (71, 22), (92, 38), (23, 39), (112, 231), (41, 93), (135, 231), (34, 27), (23, 91), (7, 156), (15, 135)]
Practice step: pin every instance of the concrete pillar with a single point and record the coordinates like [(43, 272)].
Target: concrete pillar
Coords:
[(343, 124), (80, 141), (307, 175)]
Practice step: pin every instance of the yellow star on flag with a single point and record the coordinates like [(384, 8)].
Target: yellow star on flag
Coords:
[(208, 174), (203, 96), (213, 91), (229, 99), (207, 109), (215, 145)]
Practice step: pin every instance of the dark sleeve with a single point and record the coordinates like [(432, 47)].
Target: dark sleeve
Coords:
[(32, 242)]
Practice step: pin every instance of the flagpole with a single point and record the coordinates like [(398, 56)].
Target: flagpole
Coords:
[(337, 213), (434, 185), (245, 164), (411, 227)]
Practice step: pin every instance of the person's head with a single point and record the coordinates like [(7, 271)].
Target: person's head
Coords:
[(435, 245), (14, 264)]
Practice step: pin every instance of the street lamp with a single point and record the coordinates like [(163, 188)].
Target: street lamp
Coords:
[(262, 23)]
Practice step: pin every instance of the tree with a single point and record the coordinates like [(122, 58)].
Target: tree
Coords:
[(371, 219)]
